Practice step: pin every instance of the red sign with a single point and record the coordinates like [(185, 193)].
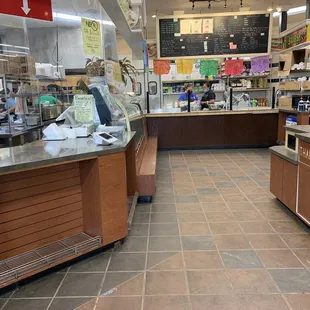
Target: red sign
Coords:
[(233, 67), (38, 9)]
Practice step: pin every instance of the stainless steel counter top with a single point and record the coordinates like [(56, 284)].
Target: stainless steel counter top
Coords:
[(42, 153)]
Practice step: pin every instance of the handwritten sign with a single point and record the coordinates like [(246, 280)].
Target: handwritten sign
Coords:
[(233, 67), (84, 108), (92, 40), (259, 64)]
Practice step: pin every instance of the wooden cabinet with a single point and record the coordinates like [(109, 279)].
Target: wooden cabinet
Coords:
[(276, 176), (289, 185), (283, 181), (304, 192)]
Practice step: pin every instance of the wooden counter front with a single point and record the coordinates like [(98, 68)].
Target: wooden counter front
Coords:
[(43, 205), (214, 130)]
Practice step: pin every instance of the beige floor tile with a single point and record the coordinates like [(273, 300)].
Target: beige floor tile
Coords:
[(229, 242), (215, 207), (304, 256), (296, 241), (203, 260), (119, 303), (261, 302), (266, 241), (245, 216), (194, 229), (214, 302), (165, 303), (165, 283), (278, 259), (225, 228), (251, 282), (197, 217), (298, 301), (262, 227), (208, 282), (188, 207), (220, 217)]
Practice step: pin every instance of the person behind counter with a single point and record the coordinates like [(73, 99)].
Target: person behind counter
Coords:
[(9, 102), (208, 97), (188, 89), (49, 100)]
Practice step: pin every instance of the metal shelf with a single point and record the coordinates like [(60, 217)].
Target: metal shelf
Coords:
[(14, 268), (199, 92), (250, 89)]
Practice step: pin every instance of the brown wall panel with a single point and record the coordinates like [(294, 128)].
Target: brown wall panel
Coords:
[(11, 224), (214, 130)]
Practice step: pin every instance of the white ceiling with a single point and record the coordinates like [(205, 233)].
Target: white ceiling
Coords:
[(166, 7)]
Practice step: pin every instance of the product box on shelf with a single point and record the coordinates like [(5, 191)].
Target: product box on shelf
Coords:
[(290, 85), (4, 67), (306, 85), (285, 102)]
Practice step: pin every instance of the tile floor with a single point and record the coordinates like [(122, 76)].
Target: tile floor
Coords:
[(214, 238)]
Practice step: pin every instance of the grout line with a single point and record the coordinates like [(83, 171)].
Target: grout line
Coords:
[(102, 282), (59, 286), (146, 259)]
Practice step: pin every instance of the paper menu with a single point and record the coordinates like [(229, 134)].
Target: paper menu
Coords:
[(185, 25), (84, 108), (207, 25), (196, 25)]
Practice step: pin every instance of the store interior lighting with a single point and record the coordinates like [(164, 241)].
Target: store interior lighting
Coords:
[(78, 18), (14, 46)]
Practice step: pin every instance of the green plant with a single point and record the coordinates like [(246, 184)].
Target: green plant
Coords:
[(95, 67), (127, 70)]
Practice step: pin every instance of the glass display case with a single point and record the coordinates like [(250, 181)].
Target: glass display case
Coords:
[(42, 63)]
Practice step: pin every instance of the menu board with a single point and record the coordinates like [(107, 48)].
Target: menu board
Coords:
[(219, 35)]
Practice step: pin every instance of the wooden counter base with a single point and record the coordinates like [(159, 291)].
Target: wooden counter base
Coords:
[(210, 131), (47, 204)]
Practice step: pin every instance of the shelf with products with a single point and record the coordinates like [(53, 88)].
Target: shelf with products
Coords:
[(241, 89)]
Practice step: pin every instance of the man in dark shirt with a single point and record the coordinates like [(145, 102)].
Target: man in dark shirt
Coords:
[(208, 97)]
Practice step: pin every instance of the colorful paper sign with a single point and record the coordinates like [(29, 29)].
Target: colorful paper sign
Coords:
[(113, 73), (92, 39), (38, 9), (84, 108), (260, 64), (184, 66), (161, 66), (208, 67), (233, 67)]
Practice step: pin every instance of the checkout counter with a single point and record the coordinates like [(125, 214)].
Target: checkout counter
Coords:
[(290, 171)]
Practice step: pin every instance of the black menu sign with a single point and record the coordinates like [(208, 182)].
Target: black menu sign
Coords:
[(219, 35)]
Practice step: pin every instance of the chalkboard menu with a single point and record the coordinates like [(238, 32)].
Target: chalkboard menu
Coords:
[(219, 35)]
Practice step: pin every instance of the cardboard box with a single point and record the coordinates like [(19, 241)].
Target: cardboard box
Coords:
[(14, 71), (306, 85), (27, 60), (290, 85), (4, 67), (28, 71), (285, 102)]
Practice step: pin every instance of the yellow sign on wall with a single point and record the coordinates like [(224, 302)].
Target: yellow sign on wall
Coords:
[(92, 39)]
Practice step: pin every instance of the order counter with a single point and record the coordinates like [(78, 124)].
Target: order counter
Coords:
[(290, 173), (60, 200), (255, 127)]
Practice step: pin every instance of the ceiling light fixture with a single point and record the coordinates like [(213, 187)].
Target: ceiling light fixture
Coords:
[(209, 5), (15, 46), (270, 9), (278, 9), (154, 16), (241, 3)]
